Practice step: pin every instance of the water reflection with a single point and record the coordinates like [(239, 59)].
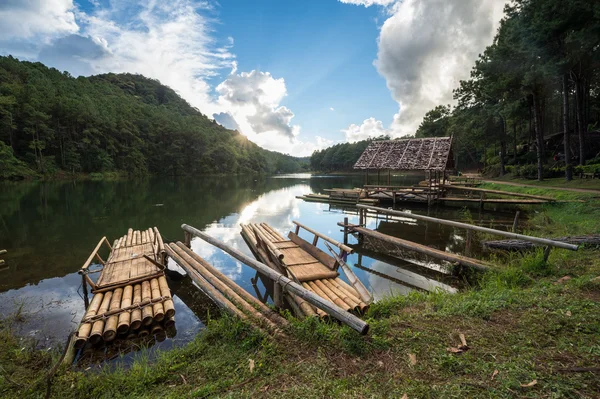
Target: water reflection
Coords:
[(50, 228)]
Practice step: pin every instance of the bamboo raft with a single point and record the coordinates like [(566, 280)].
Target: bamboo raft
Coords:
[(308, 266), (131, 295)]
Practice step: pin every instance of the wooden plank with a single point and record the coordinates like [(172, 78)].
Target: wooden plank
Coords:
[(314, 251), (499, 192)]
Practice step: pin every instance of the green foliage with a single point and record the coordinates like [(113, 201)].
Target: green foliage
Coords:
[(116, 123), (11, 167), (340, 157)]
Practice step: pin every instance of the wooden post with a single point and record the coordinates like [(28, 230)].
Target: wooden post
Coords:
[(345, 231), (468, 243), (389, 182), (86, 300), (481, 198), (547, 253), (367, 177), (187, 239), (514, 226), (289, 285)]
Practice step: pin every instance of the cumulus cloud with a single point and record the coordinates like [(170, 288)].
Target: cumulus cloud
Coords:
[(29, 18), (370, 128), (169, 41), (74, 53), (253, 99), (426, 47)]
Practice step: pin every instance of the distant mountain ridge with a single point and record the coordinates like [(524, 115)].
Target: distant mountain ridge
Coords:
[(51, 122)]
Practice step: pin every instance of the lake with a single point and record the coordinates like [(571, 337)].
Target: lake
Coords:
[(49, 229)]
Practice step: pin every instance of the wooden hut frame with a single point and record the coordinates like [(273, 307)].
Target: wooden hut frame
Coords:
[(432, 155)]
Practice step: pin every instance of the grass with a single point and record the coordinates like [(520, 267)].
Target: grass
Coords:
[(593, 184), (521, 325)]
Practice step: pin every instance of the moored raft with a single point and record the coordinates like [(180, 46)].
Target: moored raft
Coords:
[(309, 266), (131, 295)]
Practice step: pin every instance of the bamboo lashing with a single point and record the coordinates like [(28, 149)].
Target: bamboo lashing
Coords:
[(224, 289), (236, 288), (288, 285), (134, 291)]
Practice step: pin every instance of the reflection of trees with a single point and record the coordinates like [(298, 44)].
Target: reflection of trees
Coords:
[(184, 288), (49, 228)]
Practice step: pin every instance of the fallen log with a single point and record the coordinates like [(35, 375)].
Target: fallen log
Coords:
[(522, 245)]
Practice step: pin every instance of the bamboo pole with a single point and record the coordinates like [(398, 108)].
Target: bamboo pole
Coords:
[(92, 255), (353, 303), (499, 192), (267, 311), (144, 235), (433, 252), (320, 312), (218, 298), (85, 329), (304, 306), (265, 232), (129, 241), (166, 292), (110, 329), (356, 283), (158, 308), (224, 289), (147, 313), (136, 314), (169, 322), (98, 326), (274, 232), (125, 317), (542, 241), (274, 250), (288, 285), (332, 295), (341, 246)]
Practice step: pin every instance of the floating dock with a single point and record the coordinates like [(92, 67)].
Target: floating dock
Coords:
[(131, 297), (306, 264)]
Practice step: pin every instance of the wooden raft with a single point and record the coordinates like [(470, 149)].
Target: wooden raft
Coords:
[(307, 265), (131, 295)]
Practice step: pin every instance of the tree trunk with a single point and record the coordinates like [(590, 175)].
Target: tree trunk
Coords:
[(567, 133), (502, 146), (538, 135), (515, 143), (580, 122)]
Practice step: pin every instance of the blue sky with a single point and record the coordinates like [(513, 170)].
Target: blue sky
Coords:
[(293, 76)]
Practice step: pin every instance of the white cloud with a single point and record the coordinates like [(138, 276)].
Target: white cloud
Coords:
[(169, 41), (331, 109), (29, 18), (253, 100), (370, 128), (368, 3), (426, 47)]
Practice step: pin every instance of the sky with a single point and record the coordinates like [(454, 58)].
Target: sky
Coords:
[(292, 75)]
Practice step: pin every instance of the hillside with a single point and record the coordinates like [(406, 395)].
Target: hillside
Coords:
[(54, 123)]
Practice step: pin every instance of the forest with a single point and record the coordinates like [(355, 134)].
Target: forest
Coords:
[(53, 124), (531, 106)]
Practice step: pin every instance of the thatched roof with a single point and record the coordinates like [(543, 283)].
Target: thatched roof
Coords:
[(407, 154)]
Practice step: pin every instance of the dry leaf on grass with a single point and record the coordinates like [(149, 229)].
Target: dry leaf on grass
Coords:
[(183, 379), (251, 364), (454, 350), (562, 280), (463, 341), (405, 396), (494, 374), (532, 383), (568, 313), (413, 358)]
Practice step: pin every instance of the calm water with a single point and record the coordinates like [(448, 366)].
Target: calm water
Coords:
[(49, 229)]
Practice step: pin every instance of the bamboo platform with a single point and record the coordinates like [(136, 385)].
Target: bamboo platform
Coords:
[(346, 198), (307, 265), (131, 295)]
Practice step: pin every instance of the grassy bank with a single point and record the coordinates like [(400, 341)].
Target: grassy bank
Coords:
[(531, 333)]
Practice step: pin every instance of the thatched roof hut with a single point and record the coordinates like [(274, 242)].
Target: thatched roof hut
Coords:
[(431, 154)]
